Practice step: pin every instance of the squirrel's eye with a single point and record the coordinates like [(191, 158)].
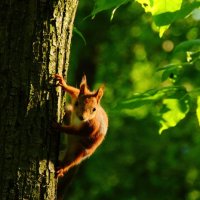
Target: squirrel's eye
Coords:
[(76, 103), (94, 109)]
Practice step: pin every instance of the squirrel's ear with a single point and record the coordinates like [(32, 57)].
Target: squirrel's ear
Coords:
[(99, 93), (83, 81), (83, 85), (83, 89)]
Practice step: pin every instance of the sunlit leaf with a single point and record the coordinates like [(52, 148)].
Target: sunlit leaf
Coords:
[(147, 5), (162, 29), (179, 12), (158, 8), (198, 109), (172, 112), (163, 6), (101, 5), (165, 12)]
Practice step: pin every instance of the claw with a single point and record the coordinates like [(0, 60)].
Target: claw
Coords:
[(61, 80), (60, 173)]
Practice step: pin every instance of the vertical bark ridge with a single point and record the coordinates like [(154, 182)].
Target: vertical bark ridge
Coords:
[(35, 37)]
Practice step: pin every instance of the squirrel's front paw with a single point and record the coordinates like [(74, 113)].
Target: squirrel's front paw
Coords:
[(60, 173)]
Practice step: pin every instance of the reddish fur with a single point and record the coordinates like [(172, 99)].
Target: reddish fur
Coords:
[(89, 134)]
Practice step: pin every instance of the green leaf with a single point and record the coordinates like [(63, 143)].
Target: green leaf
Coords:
[(169, 16), (171, 71), (138, 100), (172, 112), (174, 107), (165, 12), (113, 13), (198, 109), (151, 96), (188, 45), (79, 34), (101, 5), (158, 8), (162, 29)]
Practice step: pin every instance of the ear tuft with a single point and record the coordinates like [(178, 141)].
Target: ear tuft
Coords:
[(84, 80), (83, 85), (99, 93)]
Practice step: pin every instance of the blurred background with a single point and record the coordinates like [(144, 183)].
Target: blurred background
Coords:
[(134, 162)]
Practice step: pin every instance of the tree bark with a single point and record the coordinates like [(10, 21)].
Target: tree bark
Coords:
[(35, 39)]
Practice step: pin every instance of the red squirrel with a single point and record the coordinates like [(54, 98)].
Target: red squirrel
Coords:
[(88, 126)]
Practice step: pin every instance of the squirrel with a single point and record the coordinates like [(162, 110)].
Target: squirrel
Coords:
[(88, 126)]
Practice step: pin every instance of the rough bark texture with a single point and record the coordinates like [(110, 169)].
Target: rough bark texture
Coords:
[(35, 38)]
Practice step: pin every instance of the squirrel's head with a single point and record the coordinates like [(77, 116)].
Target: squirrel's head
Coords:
[(87, 103)]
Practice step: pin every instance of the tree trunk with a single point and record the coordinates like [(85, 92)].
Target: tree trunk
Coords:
[(35, 38)]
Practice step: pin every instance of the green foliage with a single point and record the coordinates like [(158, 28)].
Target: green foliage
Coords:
[(188, 45), (198, 109), (79, 34), (177, 10), (165, 12), (102, 5), (173, 103), (171, 71), (151, 86), (151, 96), (173, 110), (175, 99)]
